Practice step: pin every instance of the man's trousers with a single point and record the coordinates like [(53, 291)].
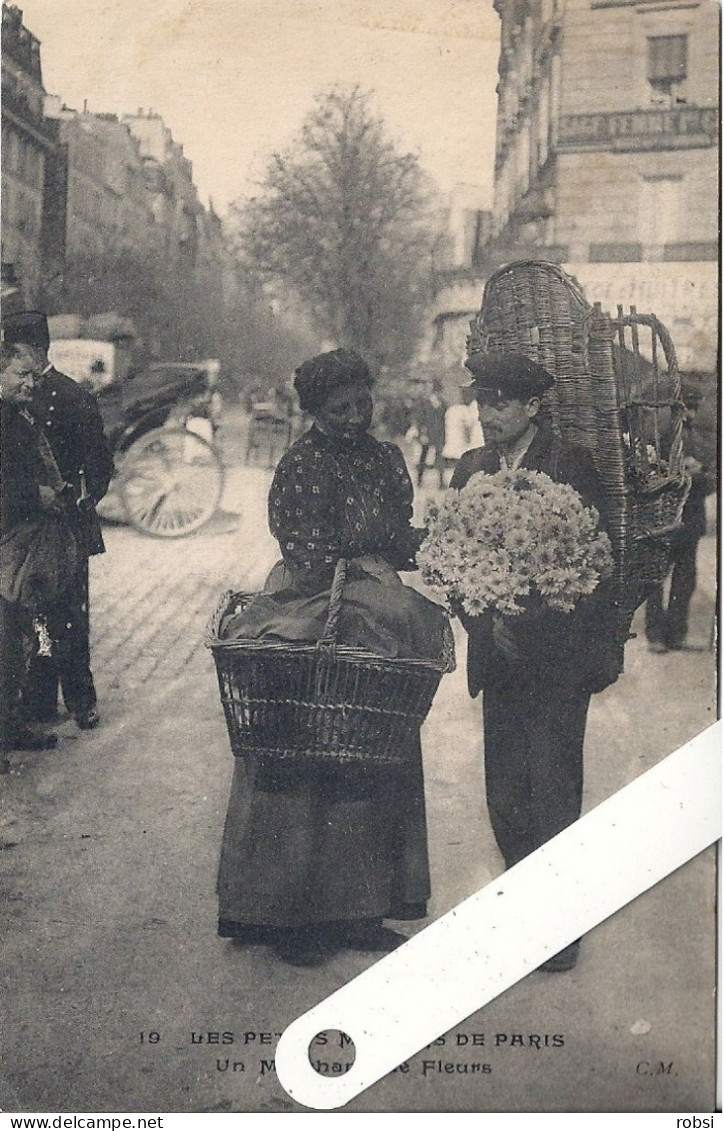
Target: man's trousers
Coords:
[(15, 623), (669, 625), (69, 629), (533, 736)]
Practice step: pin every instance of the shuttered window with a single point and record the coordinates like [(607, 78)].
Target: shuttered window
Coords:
[(667, 60)]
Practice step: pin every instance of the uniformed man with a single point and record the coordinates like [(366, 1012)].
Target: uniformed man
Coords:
[(538, 670), (71, 421)]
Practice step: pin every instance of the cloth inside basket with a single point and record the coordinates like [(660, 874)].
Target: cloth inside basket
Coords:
[(379, 614)]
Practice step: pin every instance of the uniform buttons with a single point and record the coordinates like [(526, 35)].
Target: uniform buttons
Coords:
[(54, 393), (52, 408)]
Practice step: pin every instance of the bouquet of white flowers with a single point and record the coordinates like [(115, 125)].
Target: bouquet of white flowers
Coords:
[(507, 538)]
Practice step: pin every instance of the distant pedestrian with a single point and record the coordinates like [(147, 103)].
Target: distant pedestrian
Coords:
[(429, 421), (462, 428), (71, 421), (10, 290), (667, 623)]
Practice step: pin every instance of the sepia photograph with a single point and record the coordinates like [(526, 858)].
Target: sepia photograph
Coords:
[(359, 410)]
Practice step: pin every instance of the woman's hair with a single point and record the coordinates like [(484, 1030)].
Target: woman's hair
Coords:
[(315, 379)]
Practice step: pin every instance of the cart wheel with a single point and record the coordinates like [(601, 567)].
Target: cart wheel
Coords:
[(171, 483)]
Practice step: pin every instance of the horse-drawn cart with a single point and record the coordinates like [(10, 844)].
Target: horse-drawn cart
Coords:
[(161, 424)]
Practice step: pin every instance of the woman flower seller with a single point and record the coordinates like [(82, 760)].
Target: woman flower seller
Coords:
[(316, 855), (537, 669)]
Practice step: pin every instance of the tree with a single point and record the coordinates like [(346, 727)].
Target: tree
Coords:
[(343, 220)]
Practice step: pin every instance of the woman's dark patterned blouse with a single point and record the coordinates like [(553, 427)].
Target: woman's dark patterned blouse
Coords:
[(332, 499)]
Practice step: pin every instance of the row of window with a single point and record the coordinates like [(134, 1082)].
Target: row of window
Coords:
[(21, 210), (667, 70), (22, 91), (695, 251), (667, 65), (22, 157), (659, 215), (667, 62)]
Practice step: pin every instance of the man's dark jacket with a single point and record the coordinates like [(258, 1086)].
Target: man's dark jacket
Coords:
[(577, 650), (21, 469), (71, 420)]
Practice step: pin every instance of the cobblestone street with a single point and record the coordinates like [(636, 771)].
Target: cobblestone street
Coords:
[(151, 598)]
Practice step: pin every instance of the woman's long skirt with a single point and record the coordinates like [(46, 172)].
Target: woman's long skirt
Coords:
[(308, 843)]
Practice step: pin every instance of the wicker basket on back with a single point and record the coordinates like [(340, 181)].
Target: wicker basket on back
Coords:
[(324, 702), (617, 393)]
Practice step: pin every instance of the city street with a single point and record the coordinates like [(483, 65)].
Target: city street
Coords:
[(118, 995)]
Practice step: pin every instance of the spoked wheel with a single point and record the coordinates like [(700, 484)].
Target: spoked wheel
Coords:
[(171, 483)]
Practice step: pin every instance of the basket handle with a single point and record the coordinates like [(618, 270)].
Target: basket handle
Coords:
[(335, 605), (657, 532)]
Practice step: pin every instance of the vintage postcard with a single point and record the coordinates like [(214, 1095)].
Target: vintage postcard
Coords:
[(390, 327)]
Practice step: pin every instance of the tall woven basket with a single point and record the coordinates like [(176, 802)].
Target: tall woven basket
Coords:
[(324, 702), (617, 393)]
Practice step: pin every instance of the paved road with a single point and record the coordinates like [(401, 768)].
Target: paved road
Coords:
[(153, 597), (110, 849)]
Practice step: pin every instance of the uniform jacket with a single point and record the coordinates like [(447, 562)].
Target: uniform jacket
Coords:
[(71, 420), (577, 649)]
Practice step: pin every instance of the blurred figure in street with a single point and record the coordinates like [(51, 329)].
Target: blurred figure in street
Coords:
[(71, 421), (429, 422), (21, 501), (667, 624), (270, 426), (10, 290), (462, 428)]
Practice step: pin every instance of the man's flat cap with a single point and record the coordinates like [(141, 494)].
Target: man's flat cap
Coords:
[(509, 375)]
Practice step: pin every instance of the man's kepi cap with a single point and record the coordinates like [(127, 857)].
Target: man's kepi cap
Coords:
[(25, 328), (509, 375)]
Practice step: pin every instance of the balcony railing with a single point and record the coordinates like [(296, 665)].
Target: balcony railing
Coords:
[(682, 128)]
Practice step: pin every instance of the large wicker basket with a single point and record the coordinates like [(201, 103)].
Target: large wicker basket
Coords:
[(611, 396), (321, 702)]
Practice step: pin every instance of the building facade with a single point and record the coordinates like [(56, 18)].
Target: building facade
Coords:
[(100, 215), (108, 208), (170, 185), (607, 155), (32, 228)]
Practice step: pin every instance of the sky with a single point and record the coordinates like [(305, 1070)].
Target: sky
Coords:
[(233, 79)]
